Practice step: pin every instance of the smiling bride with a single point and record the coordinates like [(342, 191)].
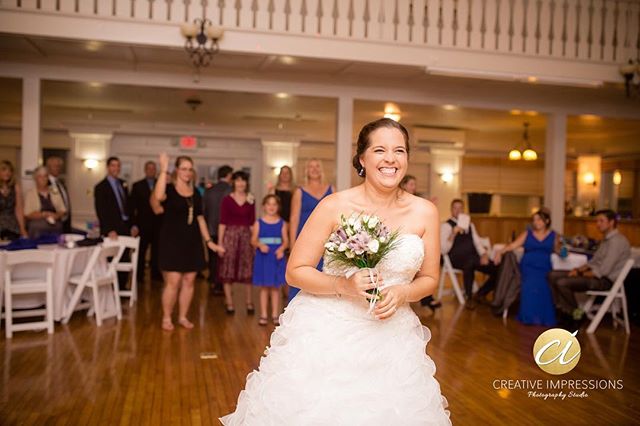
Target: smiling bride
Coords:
[(333, 360)]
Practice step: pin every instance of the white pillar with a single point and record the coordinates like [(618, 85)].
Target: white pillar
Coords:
[(344, 136), (555, 160), (30, 150)]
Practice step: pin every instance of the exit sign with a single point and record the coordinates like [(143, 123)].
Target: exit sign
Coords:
[(188, 142)]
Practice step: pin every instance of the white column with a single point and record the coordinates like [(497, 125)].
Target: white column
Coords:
[(344, 139), (555, 160), (30, 150)]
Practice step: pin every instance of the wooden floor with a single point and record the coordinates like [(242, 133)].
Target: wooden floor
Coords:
[(130, 372)]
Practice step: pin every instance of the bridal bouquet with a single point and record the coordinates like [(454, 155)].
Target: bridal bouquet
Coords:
[(362, 241)]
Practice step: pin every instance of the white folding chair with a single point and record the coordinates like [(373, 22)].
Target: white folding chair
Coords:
[(451, 272), (614, 294), (133, 244), (98, 273), (19, 286)]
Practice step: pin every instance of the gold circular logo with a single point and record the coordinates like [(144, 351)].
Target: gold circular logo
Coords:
[(556, 351)]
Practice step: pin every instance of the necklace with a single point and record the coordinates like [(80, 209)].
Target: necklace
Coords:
[(190, 213)]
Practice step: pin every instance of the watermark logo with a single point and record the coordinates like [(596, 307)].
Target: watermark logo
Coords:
[(556, 351)]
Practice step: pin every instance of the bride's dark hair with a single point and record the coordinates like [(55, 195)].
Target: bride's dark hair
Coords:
[(363, 139)]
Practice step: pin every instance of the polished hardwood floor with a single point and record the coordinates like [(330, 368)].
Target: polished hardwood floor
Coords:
[(132, 373)]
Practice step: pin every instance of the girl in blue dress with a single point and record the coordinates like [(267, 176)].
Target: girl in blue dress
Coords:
[(304, 201), (270, 239), (539, 242)]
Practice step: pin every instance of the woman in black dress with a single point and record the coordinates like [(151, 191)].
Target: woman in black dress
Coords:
[(183, 227), (283, 189)]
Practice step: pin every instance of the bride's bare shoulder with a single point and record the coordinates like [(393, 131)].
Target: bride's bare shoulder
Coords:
[(337, 202)]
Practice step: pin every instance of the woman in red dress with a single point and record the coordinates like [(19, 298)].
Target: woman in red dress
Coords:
[(237, 215)]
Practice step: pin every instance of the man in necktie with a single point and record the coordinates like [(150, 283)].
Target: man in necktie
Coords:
[(54, 167), (112, 208)]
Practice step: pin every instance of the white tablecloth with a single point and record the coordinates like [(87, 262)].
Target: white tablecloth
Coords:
[(573, 260), (66, 263)]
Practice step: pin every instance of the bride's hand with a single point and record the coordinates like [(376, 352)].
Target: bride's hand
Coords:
[(392, 298), (358, 284)]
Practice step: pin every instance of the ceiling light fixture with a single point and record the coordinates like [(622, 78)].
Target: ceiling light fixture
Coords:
[(631, 73), (528, 154), (201, 41)]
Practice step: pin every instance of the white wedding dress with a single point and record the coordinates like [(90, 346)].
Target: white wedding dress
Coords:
[(332, 363)]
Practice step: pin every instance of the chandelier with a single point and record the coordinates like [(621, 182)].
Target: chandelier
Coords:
[(631, 73), (528, 154), (201, 41)]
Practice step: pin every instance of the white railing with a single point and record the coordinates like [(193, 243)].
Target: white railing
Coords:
[(591, 30)]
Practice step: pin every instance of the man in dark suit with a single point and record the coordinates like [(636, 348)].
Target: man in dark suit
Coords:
[(148, 223), (212, 201), (111, 196), (54, 167)]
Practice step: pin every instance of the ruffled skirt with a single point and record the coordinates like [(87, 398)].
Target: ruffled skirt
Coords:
[(331, 363)]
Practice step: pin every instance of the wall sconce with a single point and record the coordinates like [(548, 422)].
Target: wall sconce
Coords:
[(589, 178), (90, 163), (446, 176), (392, 111), (617, 177)]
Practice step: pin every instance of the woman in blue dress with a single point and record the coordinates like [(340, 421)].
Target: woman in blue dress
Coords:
[(539, 242), (304, 201)]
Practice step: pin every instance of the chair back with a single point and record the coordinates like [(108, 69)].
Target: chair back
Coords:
[(21, 257), (623, 273)]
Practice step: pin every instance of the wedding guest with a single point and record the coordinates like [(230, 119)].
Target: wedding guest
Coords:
[(539, 242), (54, 166), (598, 274), (181, 234), (237, 216), (410, 184), (212, 201), (147, 222), (43, 206), (111, 203), (270, 239), (11, 204), (112, 208), (467, 254), (305, 199), (284, 189)]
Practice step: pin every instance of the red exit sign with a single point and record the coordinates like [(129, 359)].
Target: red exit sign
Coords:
[(188, 142)]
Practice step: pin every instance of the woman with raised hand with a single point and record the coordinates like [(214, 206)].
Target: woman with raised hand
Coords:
[(180, 250)]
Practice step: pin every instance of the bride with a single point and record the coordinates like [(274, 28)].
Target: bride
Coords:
[(330, 361)]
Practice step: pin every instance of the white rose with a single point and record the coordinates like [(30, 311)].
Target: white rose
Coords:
[(373, 222), (383, 239), (365, 218), (357, 225), (350, 232), (352, 220), (373, 246), (330, 246), (342, 247), (350, 254)]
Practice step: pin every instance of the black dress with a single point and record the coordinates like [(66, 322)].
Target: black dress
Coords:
[(285, 203), (180, 248)]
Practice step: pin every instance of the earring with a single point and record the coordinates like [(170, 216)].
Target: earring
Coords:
[(361, 172)]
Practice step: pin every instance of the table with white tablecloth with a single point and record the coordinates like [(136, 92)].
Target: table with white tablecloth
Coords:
[(67, 262)]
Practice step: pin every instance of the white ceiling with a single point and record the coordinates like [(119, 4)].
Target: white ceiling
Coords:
[(128, 108)]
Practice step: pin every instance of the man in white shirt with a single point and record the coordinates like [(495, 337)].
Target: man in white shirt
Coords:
[(467, 253), (54, 167)]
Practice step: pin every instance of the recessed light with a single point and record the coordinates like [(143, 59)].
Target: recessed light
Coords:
[(282, 95), (532, 79), (531, 113), (280, 126), (93, 46), (95, 84), (288, 60), (590, 117), (449, 107), (515, 112)]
